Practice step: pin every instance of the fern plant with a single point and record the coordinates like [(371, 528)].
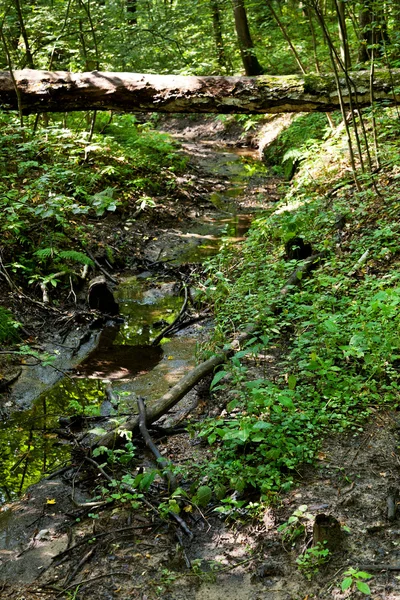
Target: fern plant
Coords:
[(69, 255)]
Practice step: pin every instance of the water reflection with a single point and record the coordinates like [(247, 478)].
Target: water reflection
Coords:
[(29, 443)]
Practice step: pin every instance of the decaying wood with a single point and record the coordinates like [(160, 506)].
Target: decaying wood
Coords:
[(296, 277), (327, 531), (100, 296), (184, 385), (59, 91), (161, 461), (168, 400)]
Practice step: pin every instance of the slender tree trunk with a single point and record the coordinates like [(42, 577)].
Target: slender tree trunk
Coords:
[(344, 45), (249, 59), (286, 36), (365, 22), (309, 18), (217, 29), (28, 52), (373, 30)]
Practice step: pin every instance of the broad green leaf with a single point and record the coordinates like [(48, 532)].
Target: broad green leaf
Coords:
[(364, 575), (203, 495), (346, 583), (217, 378), (363, 587)]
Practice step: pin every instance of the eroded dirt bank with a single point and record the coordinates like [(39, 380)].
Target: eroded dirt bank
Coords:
[(50, 548)]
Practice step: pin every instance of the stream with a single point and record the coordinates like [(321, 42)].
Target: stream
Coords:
[(122, 354)]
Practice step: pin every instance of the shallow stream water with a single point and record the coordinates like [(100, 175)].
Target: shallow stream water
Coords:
[(30, 445)]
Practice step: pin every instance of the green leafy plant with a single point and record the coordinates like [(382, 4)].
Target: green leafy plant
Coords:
[(313, 558), (8, 327), (295, 526), (356, 580), (73, 595)]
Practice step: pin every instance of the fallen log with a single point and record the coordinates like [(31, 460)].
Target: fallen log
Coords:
[(34, 91), (180, 389), (168, 400), (296, 277)]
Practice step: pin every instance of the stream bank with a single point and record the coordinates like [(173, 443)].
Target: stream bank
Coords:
[(228, 188), (150, 299), (125, 552)]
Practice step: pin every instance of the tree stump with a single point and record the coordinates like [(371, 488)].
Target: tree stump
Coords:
[(327, 530), (101, 298)]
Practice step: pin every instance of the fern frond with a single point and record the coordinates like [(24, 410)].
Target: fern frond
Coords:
[(44, 253), (78, 257)]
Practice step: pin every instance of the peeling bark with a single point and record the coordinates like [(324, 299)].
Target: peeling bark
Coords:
[(45, 91)]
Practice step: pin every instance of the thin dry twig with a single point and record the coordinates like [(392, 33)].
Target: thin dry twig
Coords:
[(170, 327)]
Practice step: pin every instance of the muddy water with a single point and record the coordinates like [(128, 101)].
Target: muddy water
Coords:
[(30, 442)]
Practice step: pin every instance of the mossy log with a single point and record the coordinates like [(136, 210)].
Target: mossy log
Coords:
[(35, 91)]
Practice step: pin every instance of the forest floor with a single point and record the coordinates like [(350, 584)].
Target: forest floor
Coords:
[(51, 549)]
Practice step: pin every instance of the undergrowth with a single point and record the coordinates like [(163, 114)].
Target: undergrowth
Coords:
[(58, 183), (339, 329), (8, 327)]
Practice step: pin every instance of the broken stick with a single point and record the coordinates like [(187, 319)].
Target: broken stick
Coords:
[(162, 462)]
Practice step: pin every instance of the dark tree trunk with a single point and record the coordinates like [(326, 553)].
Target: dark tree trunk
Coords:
[(28, 52), (131, 9), (249, 59), (58, 91), (217, 29)]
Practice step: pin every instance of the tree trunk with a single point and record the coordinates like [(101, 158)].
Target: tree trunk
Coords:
[(28, 52), (249, 59), (58, 91), (344, 45), (217, 29), (131, 9), (373, 30)]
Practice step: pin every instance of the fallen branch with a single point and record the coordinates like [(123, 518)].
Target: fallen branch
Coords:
[(124, 486), (180, 389), (296, 277), (172, 325), (15, 288), (102, 269), (168, 400), (162, 462), (83, 560), (43, 287), (359, 263), (379, 568), (90, 536), (89, 581)]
